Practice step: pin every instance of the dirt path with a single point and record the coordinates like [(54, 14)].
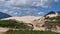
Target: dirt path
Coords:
[(3, 30)]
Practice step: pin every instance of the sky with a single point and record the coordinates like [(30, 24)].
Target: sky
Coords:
[(29, 7)]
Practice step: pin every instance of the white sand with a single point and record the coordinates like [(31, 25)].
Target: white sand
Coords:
[(26, 19), (3, 29)]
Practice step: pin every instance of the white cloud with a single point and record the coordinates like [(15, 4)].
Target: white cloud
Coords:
[(39, 13), (25, 5), (56, 0), (5, 10), (2, 0), (35, 3)]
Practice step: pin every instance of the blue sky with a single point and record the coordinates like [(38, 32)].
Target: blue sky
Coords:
[(29, 7), (55, 7)]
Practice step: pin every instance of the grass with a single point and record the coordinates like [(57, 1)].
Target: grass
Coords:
[(29, 32), (53, 23), (12, 24), (15, 24)]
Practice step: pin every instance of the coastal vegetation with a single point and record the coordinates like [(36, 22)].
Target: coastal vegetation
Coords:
[(52, 22), (13, 24), (29, 32)]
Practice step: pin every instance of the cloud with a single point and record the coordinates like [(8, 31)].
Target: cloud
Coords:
[(20, 11), (22, 7), (29, 3), (39, 13)]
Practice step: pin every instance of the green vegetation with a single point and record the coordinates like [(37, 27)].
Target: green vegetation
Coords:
[(24, 28), (58, 20), (12, 24), (7, 23), (29, 32), (53, 22)]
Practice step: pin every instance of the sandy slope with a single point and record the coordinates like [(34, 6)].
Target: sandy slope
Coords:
[(29, 19), (2, 30), (26, 19)]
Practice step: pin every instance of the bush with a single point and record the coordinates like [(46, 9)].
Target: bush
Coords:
[(7, 23), (12, 24), (52, 24), (29, 32)]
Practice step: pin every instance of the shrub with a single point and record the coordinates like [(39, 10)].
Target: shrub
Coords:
[(52, 23), (12, 24), (29, 32)]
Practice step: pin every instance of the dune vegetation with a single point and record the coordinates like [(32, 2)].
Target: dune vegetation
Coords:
[(12, 24), (52, 22), (29, 32), (55, 21)]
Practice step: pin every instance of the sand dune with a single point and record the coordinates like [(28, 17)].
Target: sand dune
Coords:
[(26, 19), (29, 19)]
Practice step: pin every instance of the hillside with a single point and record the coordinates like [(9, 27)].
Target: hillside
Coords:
[(26, 19), (49, 22), (4, 15)]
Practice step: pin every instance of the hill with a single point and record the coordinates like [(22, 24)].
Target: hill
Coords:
[(4, 15), (26, 19)]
